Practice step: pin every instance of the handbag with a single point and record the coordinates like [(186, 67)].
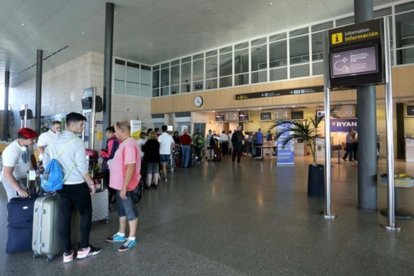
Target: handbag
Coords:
[(137, 193)]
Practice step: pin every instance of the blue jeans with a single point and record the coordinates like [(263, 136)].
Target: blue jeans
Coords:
[(185, 159)]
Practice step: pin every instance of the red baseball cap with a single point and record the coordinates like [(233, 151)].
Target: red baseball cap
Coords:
[(27, 133)]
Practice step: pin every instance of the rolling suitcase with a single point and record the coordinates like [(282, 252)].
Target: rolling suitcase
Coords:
[(46, 241), (20, 224), (100, 206)]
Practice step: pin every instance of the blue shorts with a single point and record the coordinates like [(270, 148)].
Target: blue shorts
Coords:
[(125, 207), (164, 158)]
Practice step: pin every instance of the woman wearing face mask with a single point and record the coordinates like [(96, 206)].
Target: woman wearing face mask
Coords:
[(16, 164)]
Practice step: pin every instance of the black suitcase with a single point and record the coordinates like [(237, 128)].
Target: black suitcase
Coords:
[(20, 224)]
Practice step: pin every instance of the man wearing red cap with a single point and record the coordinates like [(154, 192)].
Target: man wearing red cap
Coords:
[(16, 163)]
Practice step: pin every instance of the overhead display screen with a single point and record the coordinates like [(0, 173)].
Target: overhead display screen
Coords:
[(360, 61)]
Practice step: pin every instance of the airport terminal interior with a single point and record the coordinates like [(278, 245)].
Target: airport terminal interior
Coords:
[(218, 65)]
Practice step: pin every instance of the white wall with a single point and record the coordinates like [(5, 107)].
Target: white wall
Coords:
[(62, 89)]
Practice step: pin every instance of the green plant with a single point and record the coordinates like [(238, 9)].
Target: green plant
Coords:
[(305, 130)]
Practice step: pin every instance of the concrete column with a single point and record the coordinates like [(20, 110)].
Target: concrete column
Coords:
[(39, 74), (109, 37), (6, 134), (367, 128)]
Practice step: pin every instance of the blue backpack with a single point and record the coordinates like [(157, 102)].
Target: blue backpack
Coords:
[(53, 176)]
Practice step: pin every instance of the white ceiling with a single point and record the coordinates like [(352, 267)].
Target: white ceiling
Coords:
[(148, 31)]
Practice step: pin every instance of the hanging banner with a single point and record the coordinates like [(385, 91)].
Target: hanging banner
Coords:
[(343, 125), (285, 154), (135, 129)]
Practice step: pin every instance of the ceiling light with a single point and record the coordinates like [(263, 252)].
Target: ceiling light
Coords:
[(270, 3), (22, 24), (83, 33)]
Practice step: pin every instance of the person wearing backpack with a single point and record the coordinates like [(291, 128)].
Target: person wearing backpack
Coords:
[(69, 151)]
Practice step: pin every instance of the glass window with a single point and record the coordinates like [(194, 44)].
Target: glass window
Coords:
[(226, 64), (225, 82), (175, 62), (227, 49), (119, 72), (258, 42), (259, 58), (156, 92), (241, 61), (241, 79), (165, 65), (278, 74), (198, 56), (404, 23), (404, 7), (156, 79), (132, 89), (119, 87), (156, 67), (299, 32), (277, 37), (345, 21), (299, 71), (211, 67), (211, 84), (165, 76), (260, 76), (132, 73), (146, 75), (165, 91), (405, 56), (198, 69), (317, 68), (278, 54), (185, 77), (322, 26), (211, 53), (175, 89), (317, 46), (186, 59), (240, 46), (175, 75), (299, 50), (382, 12), (198, 85)]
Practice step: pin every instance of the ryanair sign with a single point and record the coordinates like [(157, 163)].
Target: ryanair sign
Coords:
[(365, 31)]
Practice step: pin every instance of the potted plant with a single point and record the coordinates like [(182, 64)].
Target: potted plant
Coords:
[(307, 131)]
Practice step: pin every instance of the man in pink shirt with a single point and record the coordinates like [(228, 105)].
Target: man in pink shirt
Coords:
[(124, 177)]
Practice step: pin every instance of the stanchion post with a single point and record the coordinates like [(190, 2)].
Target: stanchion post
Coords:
[(391, 226)]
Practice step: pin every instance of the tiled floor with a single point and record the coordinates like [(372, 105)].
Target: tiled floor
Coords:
[(248, 219)]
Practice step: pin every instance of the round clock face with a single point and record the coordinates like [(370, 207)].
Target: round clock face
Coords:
[(198, 101)]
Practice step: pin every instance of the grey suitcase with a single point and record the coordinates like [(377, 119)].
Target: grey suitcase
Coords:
[(46, 241), (100, 206)]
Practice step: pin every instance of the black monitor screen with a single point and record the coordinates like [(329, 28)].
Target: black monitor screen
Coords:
[(87, 103), (243, 116), (297, 115), (354, 62)]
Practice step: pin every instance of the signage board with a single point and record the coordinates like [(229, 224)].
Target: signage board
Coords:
[(277, 93), (285, 154), (266, 116), (343, 125), (356, 54)]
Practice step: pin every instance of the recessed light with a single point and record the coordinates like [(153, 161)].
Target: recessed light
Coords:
[(22, 24), (270, 3), (83, 33)]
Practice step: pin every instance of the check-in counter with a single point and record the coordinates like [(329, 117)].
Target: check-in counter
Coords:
[(409, 149)]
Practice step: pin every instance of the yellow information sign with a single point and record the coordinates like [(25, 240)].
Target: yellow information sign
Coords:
[(337, 38)]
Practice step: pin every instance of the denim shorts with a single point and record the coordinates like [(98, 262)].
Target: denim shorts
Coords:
[(164, 158), (153, 168), (125, 207)]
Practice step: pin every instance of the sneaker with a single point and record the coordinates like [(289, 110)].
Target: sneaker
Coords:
[(128, 244), (68, 257), (116, 238), (88, 252)]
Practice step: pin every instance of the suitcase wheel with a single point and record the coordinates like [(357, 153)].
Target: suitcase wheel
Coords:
[(35, 256), (49, 258)]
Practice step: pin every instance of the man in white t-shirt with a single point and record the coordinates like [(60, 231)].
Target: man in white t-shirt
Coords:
[(16, 164), (166, 145), (46, 137)]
